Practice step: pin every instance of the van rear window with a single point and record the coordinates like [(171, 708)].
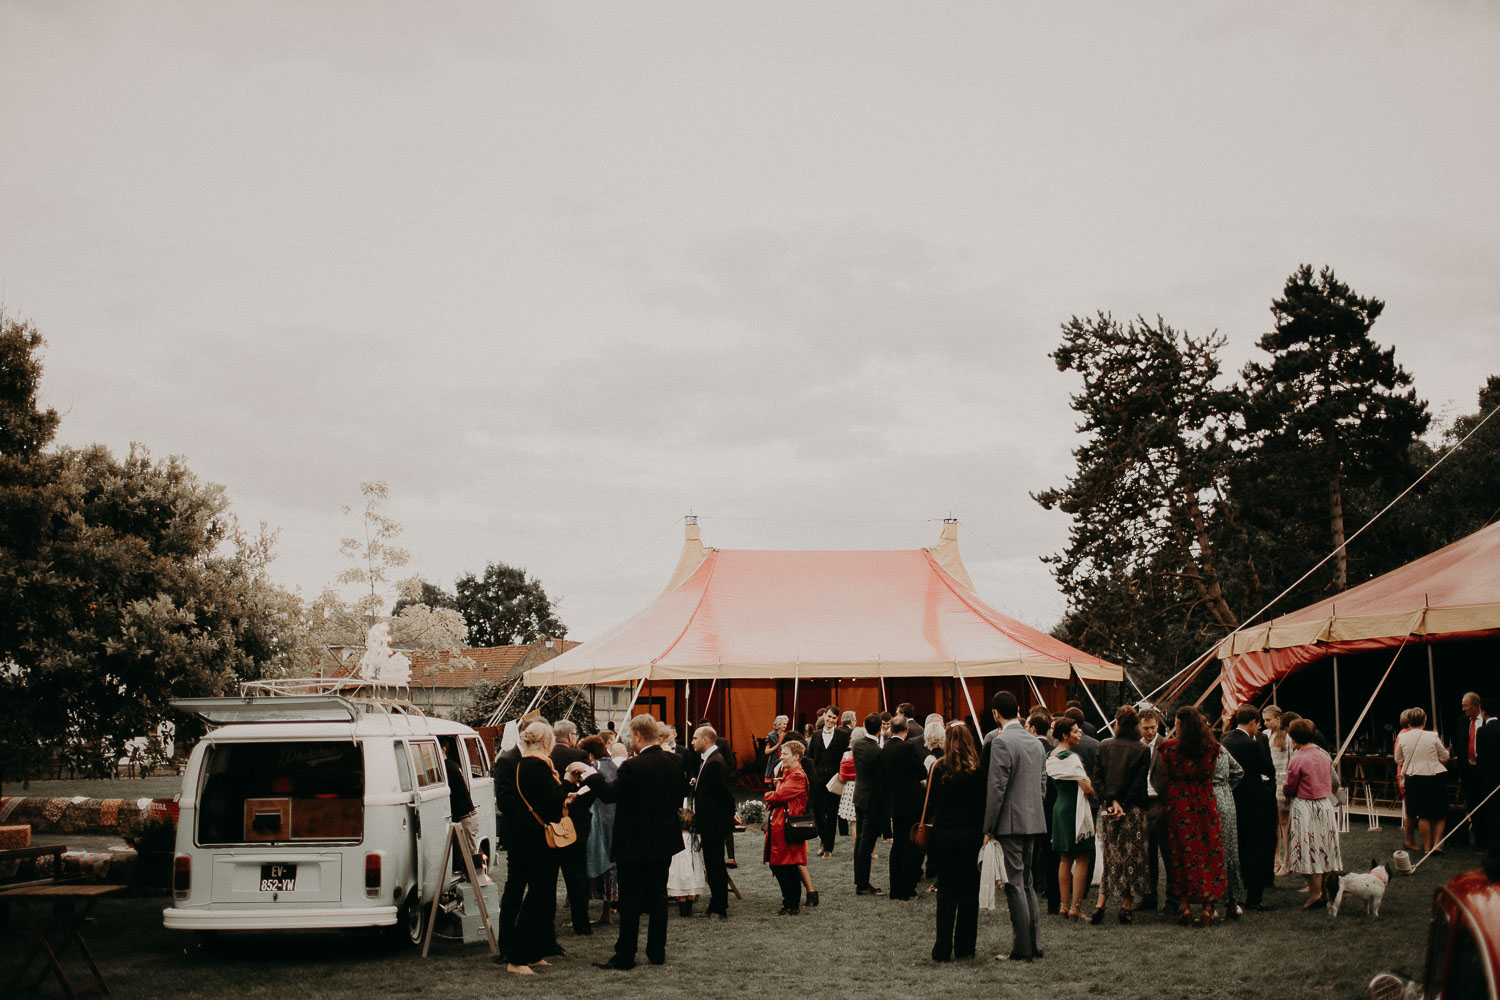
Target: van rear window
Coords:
[(279, 792)]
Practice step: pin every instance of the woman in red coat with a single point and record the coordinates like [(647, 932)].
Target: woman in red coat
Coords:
[(789, 796), (1195, 847)]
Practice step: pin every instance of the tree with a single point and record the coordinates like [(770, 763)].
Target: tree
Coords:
[(557, 703), (1459, 497), (1142, 569), (506, 607), (423, 616), (1329, 418), (123, 584)]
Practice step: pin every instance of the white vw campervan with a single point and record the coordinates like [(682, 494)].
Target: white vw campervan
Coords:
[(315, 803)]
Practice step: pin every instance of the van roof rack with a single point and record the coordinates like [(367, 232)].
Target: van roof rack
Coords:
[(371, 696)]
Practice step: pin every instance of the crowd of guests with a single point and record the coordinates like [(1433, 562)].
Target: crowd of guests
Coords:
[(1057, 805)]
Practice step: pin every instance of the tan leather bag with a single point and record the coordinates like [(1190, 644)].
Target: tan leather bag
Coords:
[(558, 834)]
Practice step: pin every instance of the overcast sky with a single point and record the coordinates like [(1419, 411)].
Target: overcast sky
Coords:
[(563, 273)]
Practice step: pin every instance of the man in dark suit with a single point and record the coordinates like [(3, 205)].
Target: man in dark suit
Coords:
[(869, 803), (648, 790), (695, 760), (826, 749), (1487, 764), (573, 859), (713, 811), (902, 773), (1254, 804), (1084, 724), (1156, 811)]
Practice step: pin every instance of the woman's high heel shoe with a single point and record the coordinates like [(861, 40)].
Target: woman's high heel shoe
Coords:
[(1185, 915), (1075, 912), (1126, 916), (1097, 917), (1209, 919)]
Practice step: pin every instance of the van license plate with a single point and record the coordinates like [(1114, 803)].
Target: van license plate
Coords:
[(278, 878)]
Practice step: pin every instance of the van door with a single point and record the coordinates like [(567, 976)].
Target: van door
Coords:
[(430, 813), (482, 791)]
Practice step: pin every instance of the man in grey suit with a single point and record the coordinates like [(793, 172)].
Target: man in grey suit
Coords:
[(1014, 816)]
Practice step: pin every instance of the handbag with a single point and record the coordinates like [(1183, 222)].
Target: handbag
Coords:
[(560, 833), (799, 829), (921, 830), (836, 784)]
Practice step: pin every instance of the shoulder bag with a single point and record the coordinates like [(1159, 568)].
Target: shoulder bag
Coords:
[(799, 829), (558, 834), (921, 830)]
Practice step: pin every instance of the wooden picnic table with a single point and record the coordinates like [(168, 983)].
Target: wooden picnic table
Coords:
[(69, 916)]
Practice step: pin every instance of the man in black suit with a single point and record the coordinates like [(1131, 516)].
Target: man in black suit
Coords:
[(869, 803), (713, 811), (902, 773), (648, 790), (695, 760), (826, 749), (1254, 804), (1487, 763), (573, 859)]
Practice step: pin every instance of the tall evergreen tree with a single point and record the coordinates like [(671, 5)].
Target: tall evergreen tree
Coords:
[(1142, 569), (1329, 423)]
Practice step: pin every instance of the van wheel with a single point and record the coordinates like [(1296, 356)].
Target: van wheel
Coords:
[(411, 920)]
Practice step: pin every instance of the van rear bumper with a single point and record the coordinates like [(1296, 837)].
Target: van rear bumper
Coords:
[(277, 919)]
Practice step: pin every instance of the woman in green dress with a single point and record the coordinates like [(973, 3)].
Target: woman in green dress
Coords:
[(1072, 818)]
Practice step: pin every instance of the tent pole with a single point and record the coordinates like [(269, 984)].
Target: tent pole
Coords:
[(1037, 691), (1338, 731), (538, 697), (1432, 690), (687, 719), (1108, 723), (885, 703), (631, 707), (796, 681), (978, 723), (1353, 730), (710, 701), (1139, 693)]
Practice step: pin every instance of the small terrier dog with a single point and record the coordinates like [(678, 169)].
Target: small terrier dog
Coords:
[(1368, 888)]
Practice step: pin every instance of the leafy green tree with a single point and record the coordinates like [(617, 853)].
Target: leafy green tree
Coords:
[(1330, 420), (1143, 568), (506, 607), (426, 593), (557, 703), (123, 584)]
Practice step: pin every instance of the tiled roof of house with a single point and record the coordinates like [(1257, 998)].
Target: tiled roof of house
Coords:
[(490, 663)]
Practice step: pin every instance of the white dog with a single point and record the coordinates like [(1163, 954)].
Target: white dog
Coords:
[(1369, 888)]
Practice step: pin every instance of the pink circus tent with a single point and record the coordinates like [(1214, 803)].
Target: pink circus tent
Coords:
[(1453, 593)]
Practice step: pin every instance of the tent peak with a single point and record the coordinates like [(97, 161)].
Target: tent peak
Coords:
[(693, 554), (945, 553)]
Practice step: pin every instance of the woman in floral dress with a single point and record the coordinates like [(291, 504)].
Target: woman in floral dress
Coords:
[(1313, 832), (1195, 850)]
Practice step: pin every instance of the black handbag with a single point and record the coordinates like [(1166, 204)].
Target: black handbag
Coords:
[(799, 829)]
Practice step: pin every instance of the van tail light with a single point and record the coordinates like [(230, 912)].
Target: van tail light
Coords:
[(182, 876), (372, 875)]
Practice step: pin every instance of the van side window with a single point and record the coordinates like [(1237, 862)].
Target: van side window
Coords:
[(479, 762), (403, 767), (427, 762)]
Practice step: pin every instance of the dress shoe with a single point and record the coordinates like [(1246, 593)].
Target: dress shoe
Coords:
[(870, 890), (730, 864), (812, 897), (1013, 958), (656, 959), (615, 964)]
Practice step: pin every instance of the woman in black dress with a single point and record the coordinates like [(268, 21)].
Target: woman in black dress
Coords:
[(955, 809), (544, 796)]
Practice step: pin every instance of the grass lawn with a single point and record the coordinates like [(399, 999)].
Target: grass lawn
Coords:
[(861, 946)]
